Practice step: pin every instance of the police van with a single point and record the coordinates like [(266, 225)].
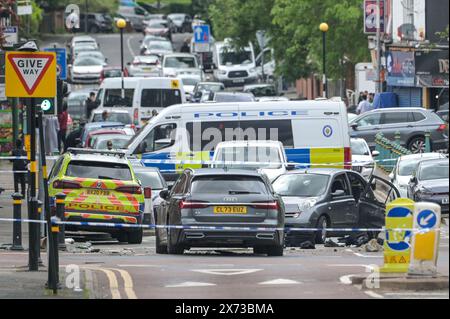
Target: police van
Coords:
[(142, 96), (314, 133)]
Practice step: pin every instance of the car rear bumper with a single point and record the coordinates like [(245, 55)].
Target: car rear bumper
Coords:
[(230, 238), (87, 79), (99, 218)]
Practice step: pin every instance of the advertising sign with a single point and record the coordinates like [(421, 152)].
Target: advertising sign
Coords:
[(11, 36), (401, 68), (370, 16), (432, 68)]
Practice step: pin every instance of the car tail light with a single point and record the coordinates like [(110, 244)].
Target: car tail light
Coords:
[(442, 127), (147, 192), (347, 158), (192, 205), (66, 185), (266, 205), (130, 189)]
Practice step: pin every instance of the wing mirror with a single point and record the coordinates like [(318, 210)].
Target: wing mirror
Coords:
[(391, 177), (413, 180), (338, 193), (375, 154), (354, 126), (164, 194), (290, 166)]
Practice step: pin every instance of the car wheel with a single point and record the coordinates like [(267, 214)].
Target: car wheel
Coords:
[(121, 237), (275, 251), (259, 250), (160, 248), (417, 145), (172, 248), (321, 235), (135, 237)]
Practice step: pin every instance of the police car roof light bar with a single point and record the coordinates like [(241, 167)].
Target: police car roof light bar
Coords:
[(77, 151)]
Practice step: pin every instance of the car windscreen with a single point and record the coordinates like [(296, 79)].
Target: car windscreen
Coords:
[(408, 166), (189, 81), (123, 118), (231, 57), (359, 148), (160, 98), (113, 97), (228, 185), (99, 170), (263, 91), (118, 142), (160, 45), (180, 62), (88, 61), (433, 170), (258, 157), (150, 179), (301, 185), (112, 73), (210, 87)]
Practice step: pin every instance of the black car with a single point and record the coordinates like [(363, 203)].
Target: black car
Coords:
[(225, 198), (331, 198), (96, 23), (430, 183)]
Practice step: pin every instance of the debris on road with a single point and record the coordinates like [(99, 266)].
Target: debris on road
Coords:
[(373, 246)]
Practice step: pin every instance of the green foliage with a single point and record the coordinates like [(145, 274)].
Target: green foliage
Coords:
[(293, 26)]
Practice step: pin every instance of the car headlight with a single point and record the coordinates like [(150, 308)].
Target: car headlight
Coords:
[(222, 72), (307, 204)]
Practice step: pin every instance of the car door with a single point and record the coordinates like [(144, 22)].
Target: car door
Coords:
[(393, 122), (342, 205), (377, 194), (367, 127)]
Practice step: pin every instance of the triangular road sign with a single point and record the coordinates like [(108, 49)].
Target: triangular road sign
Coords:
[(31, 74)]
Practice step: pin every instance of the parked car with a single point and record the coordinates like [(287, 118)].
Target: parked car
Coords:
[(261, 90), (412, 123), (145, 42), (92, 136), (90, 127), (405, 167), (363, 158), (267, 157), (93, 54), (151, 178), (115, 115), (145, 66), (443, 112), (76, 104), (86, 70), (224, 97), (430, 183), (181, 64), (202, 87), (159, 48), (212, 197), (96, 23), (80, 40), (135, 15), (330, 198), (160, 28), (113, 72), (182, 22), (87, 47), (118, 141)]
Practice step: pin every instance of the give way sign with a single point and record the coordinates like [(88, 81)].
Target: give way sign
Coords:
[(30, 74)]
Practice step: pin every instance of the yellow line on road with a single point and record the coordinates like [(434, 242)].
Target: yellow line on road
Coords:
[(128, 283), (113, 283)]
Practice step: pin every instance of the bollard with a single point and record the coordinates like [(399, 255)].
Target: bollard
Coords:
[(53, 269), (389, 158), (38, 229), (60, 211), (398, 137), (427, 142), (425, 242), (17, 225), (397, 249)]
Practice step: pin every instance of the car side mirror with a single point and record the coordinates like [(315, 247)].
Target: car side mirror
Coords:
[(164, 194), (375, 154), (354, 126), (391, 176), (290, 166), (413, 180), (338, 193)]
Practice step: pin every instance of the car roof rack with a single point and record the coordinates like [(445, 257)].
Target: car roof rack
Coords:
[(78, 151)]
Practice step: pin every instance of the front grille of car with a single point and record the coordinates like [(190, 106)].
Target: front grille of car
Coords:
[(237, 74)]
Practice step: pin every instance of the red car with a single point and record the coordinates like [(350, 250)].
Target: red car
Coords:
[(112, 72)]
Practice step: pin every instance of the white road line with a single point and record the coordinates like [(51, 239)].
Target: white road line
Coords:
[(226, 272), (129, 46), (190, 284), (416, 294), (346, 279), (139, 266), (280, 282), (373, 294), (128, 283)]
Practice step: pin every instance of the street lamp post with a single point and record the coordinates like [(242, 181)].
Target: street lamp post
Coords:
[(324, 28), (121, 24)]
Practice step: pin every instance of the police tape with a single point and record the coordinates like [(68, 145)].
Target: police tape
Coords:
[(56, 221)]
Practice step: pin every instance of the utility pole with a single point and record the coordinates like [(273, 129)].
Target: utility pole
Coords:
[(86, 16), (379, 84)]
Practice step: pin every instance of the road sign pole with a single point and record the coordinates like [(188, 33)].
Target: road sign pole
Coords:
[(33, 252)]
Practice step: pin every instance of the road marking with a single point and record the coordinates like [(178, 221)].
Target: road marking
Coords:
[(280, 282), (129, 46), (113, 284), (227, 272), (373, 294), (416, 294), (370, 267), (128, 283), (361, 255), (189, 284), (346, 279), (139, 266)]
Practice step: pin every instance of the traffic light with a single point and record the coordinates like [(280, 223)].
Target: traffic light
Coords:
[(46, 105)]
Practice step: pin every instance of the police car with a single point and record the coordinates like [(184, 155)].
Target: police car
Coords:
[(100, 187)]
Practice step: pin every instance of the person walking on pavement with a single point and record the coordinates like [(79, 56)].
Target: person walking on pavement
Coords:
[(63, 119), (74, 138), (20, 166), (91, 104), (364, 106)]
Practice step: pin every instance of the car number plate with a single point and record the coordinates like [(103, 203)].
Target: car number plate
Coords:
[(238, 81), (97, 192), (230, 210), (445, 200)]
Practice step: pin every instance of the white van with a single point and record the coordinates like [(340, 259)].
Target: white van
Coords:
[(233, 67), (312, 132), (142, 95)]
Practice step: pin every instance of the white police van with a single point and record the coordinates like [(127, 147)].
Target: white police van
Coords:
[(142, 95), (314, 133)]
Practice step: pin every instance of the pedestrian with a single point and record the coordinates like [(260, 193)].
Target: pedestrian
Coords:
[(19, 167), (360, 98), (63, 118), (74, 138), (91, 104), (364, 106), (109, 145), (105, 116), (371, 98), (185, 48)]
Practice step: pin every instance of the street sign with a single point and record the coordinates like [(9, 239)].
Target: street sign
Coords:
[(47, 105), (24, 7), (201, 47), (261, 37), (30, 74), (370, 16), (11, 36), (202, 34), (61, 62)]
